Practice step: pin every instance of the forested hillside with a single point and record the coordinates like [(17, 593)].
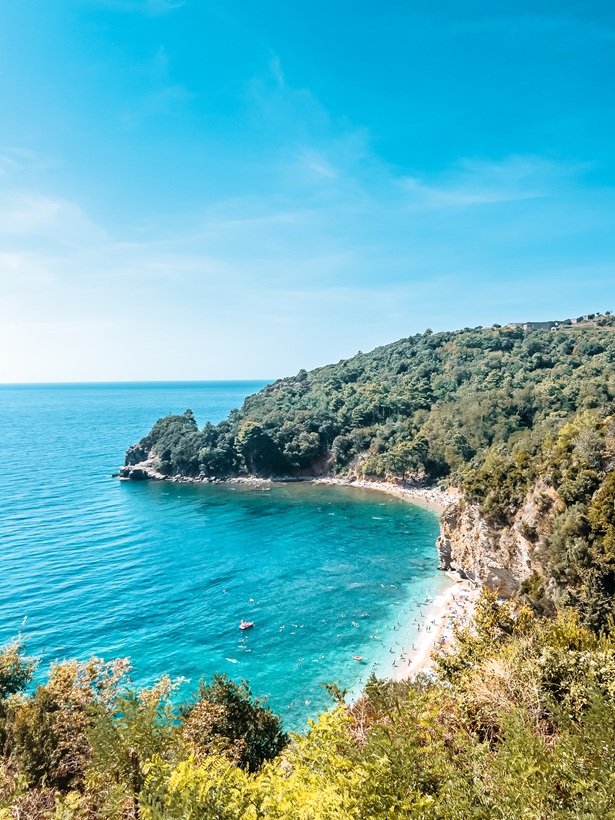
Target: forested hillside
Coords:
[(497, 411), (432, 405)]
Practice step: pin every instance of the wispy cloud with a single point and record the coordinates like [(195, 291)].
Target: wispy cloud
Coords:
[(162, 94), (487, 182), (317, 163), (8, 163), (275, 71), (34, 217), (15, 159)]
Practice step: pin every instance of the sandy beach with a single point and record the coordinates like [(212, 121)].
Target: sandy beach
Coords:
[(432, 497), (434, 631), (432, 628)]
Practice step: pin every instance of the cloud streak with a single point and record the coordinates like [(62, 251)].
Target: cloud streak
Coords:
[(35, 217), (487, 182)]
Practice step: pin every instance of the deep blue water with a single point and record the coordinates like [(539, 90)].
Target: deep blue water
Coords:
[(163, 573)]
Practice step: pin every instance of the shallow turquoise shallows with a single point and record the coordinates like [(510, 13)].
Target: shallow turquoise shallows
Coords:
[(164, 573)]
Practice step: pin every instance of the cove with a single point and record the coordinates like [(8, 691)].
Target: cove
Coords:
[(163, 573), (325, 574)]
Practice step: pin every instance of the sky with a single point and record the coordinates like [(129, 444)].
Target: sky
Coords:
[(226, 189)]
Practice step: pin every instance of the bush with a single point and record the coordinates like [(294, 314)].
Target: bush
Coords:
[(225, 719)]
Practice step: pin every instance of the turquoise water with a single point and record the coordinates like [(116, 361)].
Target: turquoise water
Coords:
[(163, 573)]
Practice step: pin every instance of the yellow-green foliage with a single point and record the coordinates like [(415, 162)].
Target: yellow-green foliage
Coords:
[(212, 788), (315, 777), (15, 670), (519, 724)]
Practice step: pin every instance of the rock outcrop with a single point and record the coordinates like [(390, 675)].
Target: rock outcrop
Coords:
[(137, 454), (141, 471), (499, 558)]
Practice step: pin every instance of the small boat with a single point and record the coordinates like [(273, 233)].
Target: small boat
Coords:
[(246, 624), (357, 657)]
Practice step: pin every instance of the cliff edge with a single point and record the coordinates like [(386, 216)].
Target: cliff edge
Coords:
[(498, 557)]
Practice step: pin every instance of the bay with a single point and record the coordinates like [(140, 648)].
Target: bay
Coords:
[(163, 573)]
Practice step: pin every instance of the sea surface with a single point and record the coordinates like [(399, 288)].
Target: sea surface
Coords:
[(163, 573)]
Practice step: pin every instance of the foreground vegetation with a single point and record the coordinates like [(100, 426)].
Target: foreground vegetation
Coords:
[(518, 723)]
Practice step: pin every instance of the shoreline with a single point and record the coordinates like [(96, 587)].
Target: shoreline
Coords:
[(431, 497), (452, 607)]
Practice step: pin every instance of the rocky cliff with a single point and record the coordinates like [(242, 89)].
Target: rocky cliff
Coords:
[(498, 557)]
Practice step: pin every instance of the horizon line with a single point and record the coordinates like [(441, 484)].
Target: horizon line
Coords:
[(132, 381)]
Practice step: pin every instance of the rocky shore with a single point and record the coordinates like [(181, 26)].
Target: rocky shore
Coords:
[(146, 471), (436, 498)]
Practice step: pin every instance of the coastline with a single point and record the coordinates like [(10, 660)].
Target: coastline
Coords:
[(431, 497), (454, 606)]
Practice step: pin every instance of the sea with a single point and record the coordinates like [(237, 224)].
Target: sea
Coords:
[(163, 573)]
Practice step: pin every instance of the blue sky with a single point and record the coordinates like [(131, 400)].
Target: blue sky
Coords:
[(235, 189)]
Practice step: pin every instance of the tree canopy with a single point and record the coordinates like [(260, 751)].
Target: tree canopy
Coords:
[(434, 405)]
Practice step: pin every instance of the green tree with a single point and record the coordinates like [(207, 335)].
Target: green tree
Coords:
[(226, 719)]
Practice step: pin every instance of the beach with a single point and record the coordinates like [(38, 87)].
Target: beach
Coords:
[(433, 498), (432, 628)]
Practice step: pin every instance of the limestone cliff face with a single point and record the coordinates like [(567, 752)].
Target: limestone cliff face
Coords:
[(500, 558)]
